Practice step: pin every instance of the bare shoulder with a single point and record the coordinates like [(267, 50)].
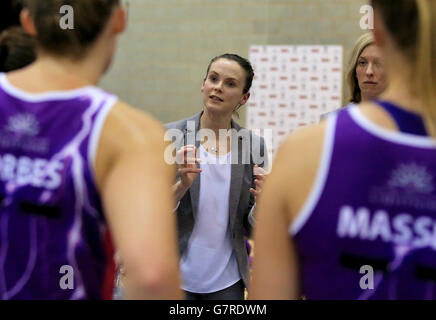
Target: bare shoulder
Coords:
[(300, 137), (301, 147), (377, 115), (296, 166), (128, 132), (126, 126)]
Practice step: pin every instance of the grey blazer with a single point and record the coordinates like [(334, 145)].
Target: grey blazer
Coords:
[(241, 200)]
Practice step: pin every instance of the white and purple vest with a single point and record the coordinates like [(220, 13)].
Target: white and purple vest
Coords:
[(368, 228), (54, 240)]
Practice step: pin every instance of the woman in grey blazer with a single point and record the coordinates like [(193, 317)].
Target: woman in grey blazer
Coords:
[(219, 176)]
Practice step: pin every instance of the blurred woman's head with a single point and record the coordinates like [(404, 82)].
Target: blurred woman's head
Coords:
[(17, 49), (405, 30), (227, 84), (92, 19), (366, 75)]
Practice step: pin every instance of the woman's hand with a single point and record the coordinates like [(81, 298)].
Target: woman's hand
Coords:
[(187, 165), (260, 174), (186, 169)]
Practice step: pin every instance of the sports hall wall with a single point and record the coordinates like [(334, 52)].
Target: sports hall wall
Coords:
[(164, 53)]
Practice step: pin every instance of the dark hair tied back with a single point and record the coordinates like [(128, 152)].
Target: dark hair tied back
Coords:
[(90, 18), (401, 18), (17, 49), (244, 63)]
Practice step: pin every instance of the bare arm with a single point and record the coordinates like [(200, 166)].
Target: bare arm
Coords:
[(136, 192), (276, 267), (275, 261)]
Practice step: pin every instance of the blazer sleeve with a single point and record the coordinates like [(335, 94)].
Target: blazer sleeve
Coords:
[(259, 155)]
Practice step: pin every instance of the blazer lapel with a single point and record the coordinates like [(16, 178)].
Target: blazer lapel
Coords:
[(237, 174), (191, 131)]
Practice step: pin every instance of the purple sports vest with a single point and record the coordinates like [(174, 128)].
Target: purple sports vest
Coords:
[(368, 228), (54, 241)]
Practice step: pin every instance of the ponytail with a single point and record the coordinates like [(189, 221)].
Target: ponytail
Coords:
[(425, 63), (17, 49), (3, 54)]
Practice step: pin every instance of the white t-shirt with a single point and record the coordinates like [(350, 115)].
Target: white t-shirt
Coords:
[(209, 264)]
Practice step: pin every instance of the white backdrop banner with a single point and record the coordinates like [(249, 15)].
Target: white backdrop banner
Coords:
[(293, 87)]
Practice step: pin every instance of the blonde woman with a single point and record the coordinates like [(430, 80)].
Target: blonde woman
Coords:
[(366, 76)]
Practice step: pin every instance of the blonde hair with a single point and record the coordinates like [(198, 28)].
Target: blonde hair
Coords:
[(425, 64), (354, 90), (412, 25)]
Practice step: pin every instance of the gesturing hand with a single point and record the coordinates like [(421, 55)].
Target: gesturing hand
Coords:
[(260, 174), (187, 165)]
